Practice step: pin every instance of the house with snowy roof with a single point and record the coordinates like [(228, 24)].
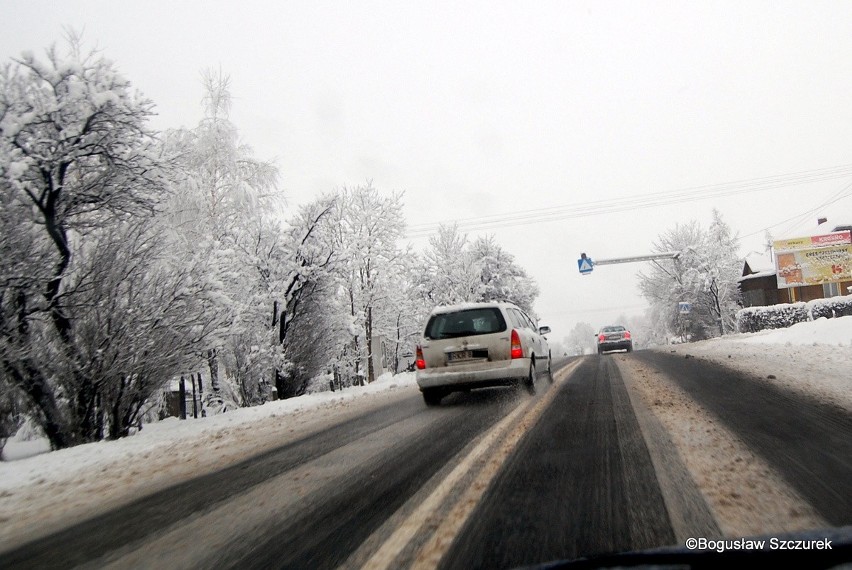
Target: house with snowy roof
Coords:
[(759, 284)]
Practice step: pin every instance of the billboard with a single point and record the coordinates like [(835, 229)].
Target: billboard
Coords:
[(825, 240), (813, 260)]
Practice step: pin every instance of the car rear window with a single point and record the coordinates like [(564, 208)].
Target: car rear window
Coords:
[(613, 329), (469, 322)]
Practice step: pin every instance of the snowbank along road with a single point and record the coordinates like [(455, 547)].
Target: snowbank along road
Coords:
[(622, 452)]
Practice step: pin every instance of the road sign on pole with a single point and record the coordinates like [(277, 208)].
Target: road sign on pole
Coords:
[(684, 308), (585, 264)]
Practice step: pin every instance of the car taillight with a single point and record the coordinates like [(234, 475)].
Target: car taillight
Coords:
[(517, 349), (627, 335), (421, 363), (601, 337)]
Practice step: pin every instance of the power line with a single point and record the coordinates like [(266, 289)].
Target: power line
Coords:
[(844, 192), (609, 206), (618, 205), (835, 198)]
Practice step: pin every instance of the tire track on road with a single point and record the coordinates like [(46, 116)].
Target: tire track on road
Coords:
[(335, 522), (581, 482), (148, 516), (809, 444)]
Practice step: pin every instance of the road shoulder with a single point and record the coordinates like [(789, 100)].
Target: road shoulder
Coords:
[(50, 501), (743, 493)]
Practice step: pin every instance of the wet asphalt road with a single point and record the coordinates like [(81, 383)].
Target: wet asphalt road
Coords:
[(326, 524), (580, 482)]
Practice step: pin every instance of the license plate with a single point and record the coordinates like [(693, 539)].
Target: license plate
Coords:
[(460, 355)]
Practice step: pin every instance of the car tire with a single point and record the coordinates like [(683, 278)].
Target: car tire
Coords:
[(530, 383), (432, 396), (550, 369)]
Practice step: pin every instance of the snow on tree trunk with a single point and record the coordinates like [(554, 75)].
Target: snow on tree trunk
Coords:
[(213, 366), (368, 335)]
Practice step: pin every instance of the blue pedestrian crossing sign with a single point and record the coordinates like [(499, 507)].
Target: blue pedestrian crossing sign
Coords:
[(585, 264)]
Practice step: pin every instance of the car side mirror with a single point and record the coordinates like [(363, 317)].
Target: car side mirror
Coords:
[(544, 330)]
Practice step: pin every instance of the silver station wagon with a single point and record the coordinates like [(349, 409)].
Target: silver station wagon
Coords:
[(477, 345)]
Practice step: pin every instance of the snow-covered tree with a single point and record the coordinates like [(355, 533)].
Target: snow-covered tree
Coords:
[(581, 339), (248, 346), (704, 275), (403, 323), (316, 336), (139, 318), (220, 204), (225, 188), (450, 273), (90, 319), (720, 269), (308, 328), (456, 270), (666, 283), (502, 279), (369, 227), (75, 148)]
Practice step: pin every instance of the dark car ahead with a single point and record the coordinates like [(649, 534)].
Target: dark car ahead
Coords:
[(614, 337)]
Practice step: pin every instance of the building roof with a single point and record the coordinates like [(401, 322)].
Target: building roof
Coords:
[(835, 218), (756, 262), (757, 265), (757, 275)]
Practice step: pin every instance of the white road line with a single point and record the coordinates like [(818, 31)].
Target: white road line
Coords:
[(498, 436), (385, 556)]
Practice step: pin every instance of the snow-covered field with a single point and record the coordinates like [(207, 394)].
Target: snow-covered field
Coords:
[(37, 486)]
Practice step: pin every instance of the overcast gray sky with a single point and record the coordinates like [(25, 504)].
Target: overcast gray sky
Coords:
[(586, 110)]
